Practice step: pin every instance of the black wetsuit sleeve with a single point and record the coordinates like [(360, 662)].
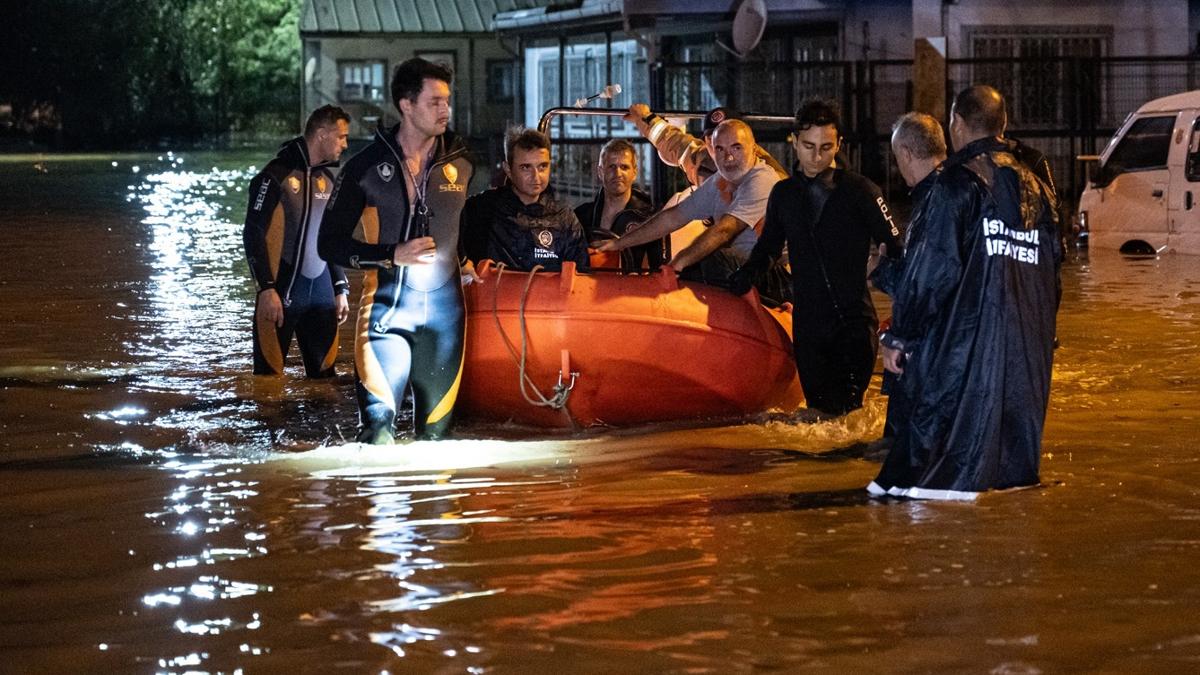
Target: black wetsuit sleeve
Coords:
[(264, 199), (473, 231), (932, 267), (336, 243), (879, 218), (341, 285)]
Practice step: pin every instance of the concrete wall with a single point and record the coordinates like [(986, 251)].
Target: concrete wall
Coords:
[(1140, 28)]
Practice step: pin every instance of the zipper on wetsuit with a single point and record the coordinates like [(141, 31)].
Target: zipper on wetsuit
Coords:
[(287, 296), (384, 322)]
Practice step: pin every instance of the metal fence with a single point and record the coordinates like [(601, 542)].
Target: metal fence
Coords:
[(1062, 106)]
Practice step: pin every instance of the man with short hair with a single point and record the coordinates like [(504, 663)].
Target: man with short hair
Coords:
[(973, 319), (618, 204), (828, 217), (919, 148), (734, 201), (521, 224), (678, 148), (394, 214), (298, 293)]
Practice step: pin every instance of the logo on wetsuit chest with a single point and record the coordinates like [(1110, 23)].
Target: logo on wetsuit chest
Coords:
[(294, 184), (386, 171), (451, 173), (322, 188)]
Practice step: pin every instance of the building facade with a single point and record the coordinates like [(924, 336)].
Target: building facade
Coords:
[(1064, 66)]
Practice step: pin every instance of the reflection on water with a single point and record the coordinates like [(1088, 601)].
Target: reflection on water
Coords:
[(178, 515)]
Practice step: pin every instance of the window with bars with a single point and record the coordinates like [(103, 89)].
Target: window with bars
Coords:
[(774, 77), (1032, 67), (362, 81)]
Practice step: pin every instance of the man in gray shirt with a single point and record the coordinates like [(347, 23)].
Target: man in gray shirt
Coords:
[(732, 202)]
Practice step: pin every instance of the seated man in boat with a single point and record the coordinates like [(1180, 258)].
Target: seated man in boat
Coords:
[(734, 201), (521, 224), (678, 148), (618, 204)]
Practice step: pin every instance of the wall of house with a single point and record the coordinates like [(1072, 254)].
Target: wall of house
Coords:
[(877, 30), (1139, 28), (474, 114)]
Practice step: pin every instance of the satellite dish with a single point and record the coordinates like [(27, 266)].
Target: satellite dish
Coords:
[(749, 22), (748, 25)]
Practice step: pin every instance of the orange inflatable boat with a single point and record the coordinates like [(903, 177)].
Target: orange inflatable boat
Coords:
[(576, 350)]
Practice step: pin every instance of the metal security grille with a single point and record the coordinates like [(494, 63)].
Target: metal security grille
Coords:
[(1027, 63)]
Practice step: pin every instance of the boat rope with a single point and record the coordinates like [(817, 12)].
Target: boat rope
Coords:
[(562, 391)]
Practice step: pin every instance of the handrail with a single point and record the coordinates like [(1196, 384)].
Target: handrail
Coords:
[(544, 122)]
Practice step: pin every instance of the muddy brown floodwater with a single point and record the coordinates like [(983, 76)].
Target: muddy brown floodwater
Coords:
[(163, 512)]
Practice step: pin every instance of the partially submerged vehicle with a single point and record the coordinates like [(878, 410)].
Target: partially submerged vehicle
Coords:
[(573, 350), (1144, 198)]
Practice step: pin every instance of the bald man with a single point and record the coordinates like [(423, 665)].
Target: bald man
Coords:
[(973, 318), (733, 200)]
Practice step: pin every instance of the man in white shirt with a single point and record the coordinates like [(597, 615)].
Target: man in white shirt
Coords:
[(733, 200)]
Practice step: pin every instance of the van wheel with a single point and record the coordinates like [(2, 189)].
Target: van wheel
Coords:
[(1138, 248)]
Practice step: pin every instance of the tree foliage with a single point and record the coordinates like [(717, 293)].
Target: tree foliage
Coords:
[(136, 71)]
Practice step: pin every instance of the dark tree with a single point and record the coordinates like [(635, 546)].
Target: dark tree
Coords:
[(97, 73)]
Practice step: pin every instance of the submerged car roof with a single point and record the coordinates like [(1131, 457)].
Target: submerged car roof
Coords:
[(1187, 99)]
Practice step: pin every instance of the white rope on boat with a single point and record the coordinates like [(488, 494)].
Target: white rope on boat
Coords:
[(561, 391)]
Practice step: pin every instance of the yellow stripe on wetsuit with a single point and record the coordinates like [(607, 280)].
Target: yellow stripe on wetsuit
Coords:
[(370, 372), (268, 337)]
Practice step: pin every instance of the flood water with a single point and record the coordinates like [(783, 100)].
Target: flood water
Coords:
[(161, 511)]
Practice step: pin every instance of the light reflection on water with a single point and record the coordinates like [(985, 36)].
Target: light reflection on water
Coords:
[(181, 516)]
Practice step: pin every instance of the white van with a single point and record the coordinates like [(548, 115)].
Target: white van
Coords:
[(1145, 196)]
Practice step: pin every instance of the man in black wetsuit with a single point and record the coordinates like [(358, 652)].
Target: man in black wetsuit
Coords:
[(828, 217), (972, 329), (394, 213), (521, 224), (298, 293), (618, 204)]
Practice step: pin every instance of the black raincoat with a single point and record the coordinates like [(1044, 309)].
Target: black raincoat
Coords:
[(974, 312)]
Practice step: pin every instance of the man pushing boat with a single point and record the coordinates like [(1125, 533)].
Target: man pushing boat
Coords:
[(733, 201)]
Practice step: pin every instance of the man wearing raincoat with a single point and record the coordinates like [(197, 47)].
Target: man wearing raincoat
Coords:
[(972, 330)]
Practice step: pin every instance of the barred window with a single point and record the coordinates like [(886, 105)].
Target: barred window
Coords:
[(1031, 69)]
